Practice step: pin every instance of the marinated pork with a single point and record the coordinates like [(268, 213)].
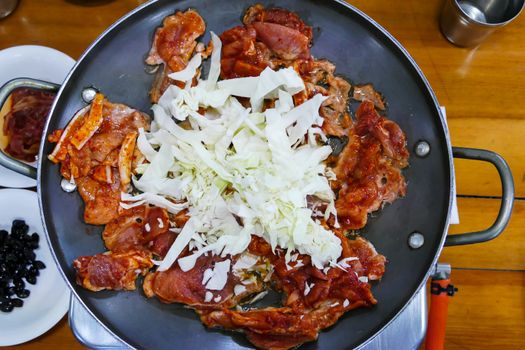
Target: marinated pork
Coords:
[(88, 152), (173, 46)]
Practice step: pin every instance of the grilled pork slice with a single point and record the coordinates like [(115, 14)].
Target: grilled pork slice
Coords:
[(286, 18), (138, 228), (111, 271), (193, 287), (101, 199), (242, 55), (269, 38), (319, 77), (173, 46), (133, 238), (368, 93), (286, 43), (89, 151), (368, 170), (315, 299)]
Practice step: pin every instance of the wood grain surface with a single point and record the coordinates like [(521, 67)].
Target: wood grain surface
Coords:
[(506, 252), (481, 89)]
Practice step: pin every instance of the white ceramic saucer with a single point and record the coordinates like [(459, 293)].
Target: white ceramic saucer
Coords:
[(49, 298), (30, 61)]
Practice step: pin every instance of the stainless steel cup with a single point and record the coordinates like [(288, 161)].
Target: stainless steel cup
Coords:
[(468, 22), (6, 7)]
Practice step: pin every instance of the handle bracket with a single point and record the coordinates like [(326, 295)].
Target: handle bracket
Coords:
[(507, 198)]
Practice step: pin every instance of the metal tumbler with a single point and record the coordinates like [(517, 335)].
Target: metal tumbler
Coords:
[(467, 23), (6, 7)]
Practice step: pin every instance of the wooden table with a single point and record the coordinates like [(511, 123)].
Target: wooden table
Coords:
[(481, 89)]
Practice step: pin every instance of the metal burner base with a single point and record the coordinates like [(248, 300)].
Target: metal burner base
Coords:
[(407, 331)]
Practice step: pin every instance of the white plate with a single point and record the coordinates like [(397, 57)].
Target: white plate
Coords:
[(30, 61), (49, 298)]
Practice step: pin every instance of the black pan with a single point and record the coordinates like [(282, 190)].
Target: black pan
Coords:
[(363, 52)]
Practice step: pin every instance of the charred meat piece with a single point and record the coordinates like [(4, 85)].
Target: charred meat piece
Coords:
[(173, 46), (88, 151), (369, 168), (111, 271)]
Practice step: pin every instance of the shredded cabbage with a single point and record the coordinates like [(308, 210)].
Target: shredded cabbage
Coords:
[(189, 71), (239, 171)]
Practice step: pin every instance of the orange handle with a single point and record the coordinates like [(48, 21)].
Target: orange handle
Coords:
[(437, 317)]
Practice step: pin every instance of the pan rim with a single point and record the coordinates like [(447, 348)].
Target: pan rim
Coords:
[(389, 37)]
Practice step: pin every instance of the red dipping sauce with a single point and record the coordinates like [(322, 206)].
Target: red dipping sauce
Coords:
[(24, 122)]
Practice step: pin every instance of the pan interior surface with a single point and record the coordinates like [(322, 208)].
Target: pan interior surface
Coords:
[(363, 53)]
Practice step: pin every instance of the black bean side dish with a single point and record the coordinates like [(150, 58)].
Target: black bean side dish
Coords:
[(17, 262)]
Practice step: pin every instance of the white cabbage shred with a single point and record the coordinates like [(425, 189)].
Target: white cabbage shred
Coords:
[(239, 171)]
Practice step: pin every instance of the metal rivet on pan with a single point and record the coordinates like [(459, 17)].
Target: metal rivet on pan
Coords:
[(67, 186), (416, 240), (151, 69), (422, 149), (88, 94)]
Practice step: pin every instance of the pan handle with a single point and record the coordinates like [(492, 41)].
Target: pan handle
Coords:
[(507, 199), (6, 90)]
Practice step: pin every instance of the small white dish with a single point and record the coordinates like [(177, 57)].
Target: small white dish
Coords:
[(30, 61), (49, 298)]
